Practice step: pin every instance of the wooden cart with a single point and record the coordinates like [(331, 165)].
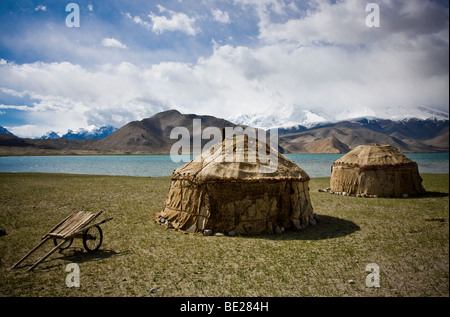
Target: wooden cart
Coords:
[(76, 225)]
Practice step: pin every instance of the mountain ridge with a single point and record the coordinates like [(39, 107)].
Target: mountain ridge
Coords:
[(287, 117), (152, 136), (5, 131), (82, 133)]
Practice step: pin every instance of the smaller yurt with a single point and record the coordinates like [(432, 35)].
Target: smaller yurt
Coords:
[(211, 194), (376, 170)]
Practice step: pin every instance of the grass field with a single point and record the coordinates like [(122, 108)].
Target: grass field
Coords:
[(407, 238)]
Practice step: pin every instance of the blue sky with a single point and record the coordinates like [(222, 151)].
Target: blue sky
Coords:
[(131, 59)]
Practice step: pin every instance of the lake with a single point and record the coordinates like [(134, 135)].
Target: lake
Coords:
[(316, 165)]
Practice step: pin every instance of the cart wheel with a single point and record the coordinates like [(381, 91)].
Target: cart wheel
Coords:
[(92, 238), (65, 245)]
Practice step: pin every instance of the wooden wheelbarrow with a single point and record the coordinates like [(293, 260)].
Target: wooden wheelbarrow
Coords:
[(76, 225)]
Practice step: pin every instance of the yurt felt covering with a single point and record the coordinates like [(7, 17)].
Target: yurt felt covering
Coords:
[(380, 170), (210, 193)]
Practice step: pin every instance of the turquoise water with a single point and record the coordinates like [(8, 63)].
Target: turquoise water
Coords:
[(319, 165), (316, 165)]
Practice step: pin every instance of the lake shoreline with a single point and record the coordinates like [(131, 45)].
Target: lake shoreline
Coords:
[(316, 165), (125, 153), (148, 177)]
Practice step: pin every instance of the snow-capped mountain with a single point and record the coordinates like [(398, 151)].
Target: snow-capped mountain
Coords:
[(151, 135), (296, 117), (285, 117), (4, 130), (50, 135), (398, 113), (429, 113), (92, 132)]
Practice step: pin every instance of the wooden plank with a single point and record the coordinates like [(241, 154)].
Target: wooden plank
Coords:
[(68, 222), (55, 235), (74, 221), (58, 225), (70, 228), (63, 224), (84, 226), (31, 251), (76, 227)]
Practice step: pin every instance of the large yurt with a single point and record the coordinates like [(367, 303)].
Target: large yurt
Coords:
[(376, 170), (213, 194)]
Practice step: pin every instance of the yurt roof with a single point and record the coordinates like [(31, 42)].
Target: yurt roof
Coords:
[(374, 155), (211, 165)]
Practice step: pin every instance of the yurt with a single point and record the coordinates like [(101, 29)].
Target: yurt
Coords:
[(377, 171), (213, 194)]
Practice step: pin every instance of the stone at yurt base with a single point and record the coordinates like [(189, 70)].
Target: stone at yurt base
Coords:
[(210, 195), (375, 171)]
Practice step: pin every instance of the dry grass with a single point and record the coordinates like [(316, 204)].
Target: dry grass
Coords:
[(407, 238)]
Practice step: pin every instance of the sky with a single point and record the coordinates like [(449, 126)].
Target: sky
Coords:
[(127, 60)]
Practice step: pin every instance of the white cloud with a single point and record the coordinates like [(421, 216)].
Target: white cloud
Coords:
[(111, 42), (343, 23), (220, 16), (26, 131), (40, 8), (329, 58), (69, 96), (138, 20), (15, 107), (176, 21), (11, 92), (90, 7), (323, 61), (331, 81)]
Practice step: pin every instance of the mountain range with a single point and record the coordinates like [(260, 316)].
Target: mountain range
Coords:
[(294, 116), (152, 135), (82, 134), (408, 135)]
